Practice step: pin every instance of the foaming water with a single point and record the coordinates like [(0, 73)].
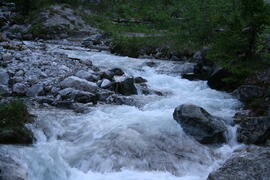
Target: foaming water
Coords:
[(125, 142)]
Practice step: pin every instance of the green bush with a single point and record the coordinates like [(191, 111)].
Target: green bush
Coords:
[(13, 115)]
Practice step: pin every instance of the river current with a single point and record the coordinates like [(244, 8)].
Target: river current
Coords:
[(122, 142)]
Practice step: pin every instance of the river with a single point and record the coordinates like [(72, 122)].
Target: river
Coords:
[(122, 142)]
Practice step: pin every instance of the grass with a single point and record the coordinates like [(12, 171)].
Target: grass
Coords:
[(13, 115)]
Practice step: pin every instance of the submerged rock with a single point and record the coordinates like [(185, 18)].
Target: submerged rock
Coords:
[(252, 163), (10, 168), (198, 123)]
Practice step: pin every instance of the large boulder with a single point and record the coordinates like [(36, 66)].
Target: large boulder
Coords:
[(125, 87), (252, 163), (254, 130), (78, 83), (248, 92), (11, 168), (198, 123), (216, 79)]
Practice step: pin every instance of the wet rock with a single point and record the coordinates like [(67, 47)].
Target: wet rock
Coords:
[(19, 88), (252, 163), (104, 94), (216, 79), (125, 87), (248, 92), (151, 64), (106, 83), (86, 75), (139, 80), (11, 168), (16, 136), (107, 75), (77, 95), (119, 100), (254, 130), (199, 124), (78, 83), (34, 90), (117, 72)]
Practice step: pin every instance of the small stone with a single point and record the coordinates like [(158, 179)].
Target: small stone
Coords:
[(105, 83)]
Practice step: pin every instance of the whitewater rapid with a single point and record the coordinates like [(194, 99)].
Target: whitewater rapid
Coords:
[(121, 142)]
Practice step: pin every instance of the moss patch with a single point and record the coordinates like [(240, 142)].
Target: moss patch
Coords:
[(13, 117)]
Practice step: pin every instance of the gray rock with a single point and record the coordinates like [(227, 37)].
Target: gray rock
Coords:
[(140, 80), (216, 79), (34, 90), (86, 62), (125, 87), (199, 55), (78, 83), (7, 57), (10, 168), (105, 83), (4, 90), (117, 72), (198, 123), (19, 88), (4, 77), (107, 75), (86, 75), (248, 92), (252, 163), (254, 130), (77, 95)]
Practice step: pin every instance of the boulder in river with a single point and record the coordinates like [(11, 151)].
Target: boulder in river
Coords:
[(78, 83), (125, 87), (252, 163), (198, 123), (77, 95), (216, 79)]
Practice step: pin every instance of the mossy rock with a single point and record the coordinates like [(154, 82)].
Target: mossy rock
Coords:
[(13, 117)]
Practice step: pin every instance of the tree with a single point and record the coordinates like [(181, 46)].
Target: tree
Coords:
[(240, 38)]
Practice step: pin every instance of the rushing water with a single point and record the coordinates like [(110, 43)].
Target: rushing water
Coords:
[(120, 142)]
